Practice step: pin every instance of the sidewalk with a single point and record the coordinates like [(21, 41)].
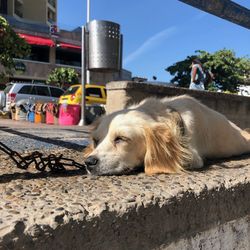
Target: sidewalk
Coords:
[(37, 136), (25, 124)]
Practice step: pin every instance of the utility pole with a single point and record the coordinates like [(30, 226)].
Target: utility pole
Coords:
[(84, 72), (88, 20)]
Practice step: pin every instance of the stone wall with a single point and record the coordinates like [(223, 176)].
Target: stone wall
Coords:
[(235, 108), (207, 209)]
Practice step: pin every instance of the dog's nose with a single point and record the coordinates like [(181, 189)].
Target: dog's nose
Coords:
[(91, 162)]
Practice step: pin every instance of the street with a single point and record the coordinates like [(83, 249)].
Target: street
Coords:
[(41, 136)]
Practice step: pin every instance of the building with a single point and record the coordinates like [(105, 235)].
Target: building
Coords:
[(35, 21), (42, 11)]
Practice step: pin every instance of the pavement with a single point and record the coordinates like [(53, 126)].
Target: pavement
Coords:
[(42, 136), (72, 210)]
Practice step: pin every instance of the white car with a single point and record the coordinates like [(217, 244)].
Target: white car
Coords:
[(2, 100), (15, 92), (244, 90)]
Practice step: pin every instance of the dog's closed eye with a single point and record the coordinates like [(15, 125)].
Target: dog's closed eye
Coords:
[(120, 139)]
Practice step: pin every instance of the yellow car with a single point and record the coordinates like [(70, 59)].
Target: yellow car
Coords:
[(95, 94)]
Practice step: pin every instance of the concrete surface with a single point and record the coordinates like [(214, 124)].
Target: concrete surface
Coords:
[(209, 209), (231, 235)]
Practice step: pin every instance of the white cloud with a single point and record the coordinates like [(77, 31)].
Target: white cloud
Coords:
[(200, 16), (150, 43)]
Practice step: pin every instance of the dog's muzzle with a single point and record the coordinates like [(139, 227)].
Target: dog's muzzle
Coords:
[(91, 163)]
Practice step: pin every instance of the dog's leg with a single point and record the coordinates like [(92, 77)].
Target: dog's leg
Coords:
[(197, 161), (246, 134)]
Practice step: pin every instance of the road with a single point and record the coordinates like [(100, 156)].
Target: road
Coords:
[(26, 136)]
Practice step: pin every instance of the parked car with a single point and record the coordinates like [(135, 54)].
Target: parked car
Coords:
[(15, 92), (2, 100), (95, 94), (244, 90)]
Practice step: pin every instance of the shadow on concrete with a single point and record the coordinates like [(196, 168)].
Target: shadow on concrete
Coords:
[(223, 163), (5, 178), (68, 145), (75, 130)]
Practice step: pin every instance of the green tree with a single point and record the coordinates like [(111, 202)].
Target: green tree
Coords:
[(11, 46), (62, 76), (181, 71), (229, 71)]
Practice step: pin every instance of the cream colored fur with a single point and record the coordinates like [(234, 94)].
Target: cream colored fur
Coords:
[(151, 134)]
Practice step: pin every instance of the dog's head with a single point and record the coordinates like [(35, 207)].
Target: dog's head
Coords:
[(126, 140)]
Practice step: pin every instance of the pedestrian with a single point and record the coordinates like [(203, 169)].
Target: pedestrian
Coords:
[(197, 76)]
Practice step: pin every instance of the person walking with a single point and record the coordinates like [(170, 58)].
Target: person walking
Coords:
[(197, 76)]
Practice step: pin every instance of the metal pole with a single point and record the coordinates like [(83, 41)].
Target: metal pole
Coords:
[(88, 19), (83, 72), (88, 11)]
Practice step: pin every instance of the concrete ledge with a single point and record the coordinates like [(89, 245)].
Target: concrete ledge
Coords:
[(235, 108), (184, 211)]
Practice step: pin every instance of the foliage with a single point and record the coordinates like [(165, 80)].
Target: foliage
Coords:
[(11, 46), (62, 76), (229, 71)]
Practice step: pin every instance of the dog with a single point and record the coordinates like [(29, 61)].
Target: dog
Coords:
[(166, 135)]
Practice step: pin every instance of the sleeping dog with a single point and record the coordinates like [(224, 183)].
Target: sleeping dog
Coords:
[(165, 135)]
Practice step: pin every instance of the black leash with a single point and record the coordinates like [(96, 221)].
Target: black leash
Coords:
[(52, 162)]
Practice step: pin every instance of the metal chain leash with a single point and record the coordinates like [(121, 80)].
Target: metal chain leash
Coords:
[(52, 162)]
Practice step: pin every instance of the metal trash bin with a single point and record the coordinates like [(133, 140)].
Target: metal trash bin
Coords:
[(104, 46)]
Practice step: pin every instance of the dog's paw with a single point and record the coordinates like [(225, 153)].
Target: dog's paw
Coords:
[(197, 161)]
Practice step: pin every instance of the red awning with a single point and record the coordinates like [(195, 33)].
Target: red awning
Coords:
[(69, 46), (37, 40)]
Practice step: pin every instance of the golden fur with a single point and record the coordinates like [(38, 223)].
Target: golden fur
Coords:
[(165, 135)]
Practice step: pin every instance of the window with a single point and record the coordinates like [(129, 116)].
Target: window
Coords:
[(68, 57), (38, 53), (51, 16), (18, 8), (94, 92), (33, 91), (52, 3), (25, 90), (55, 92), (2, 86), (42, 90), (3, 7), (8, 88), (71, 90)]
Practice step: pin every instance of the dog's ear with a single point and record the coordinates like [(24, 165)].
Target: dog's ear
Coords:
[(166, 150), (88, 150), (96, 123)]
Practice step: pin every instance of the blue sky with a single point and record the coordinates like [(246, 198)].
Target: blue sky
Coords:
[(158, 33)]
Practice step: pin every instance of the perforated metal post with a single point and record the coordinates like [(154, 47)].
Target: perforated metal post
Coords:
[(104, 46), (101, 52)]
